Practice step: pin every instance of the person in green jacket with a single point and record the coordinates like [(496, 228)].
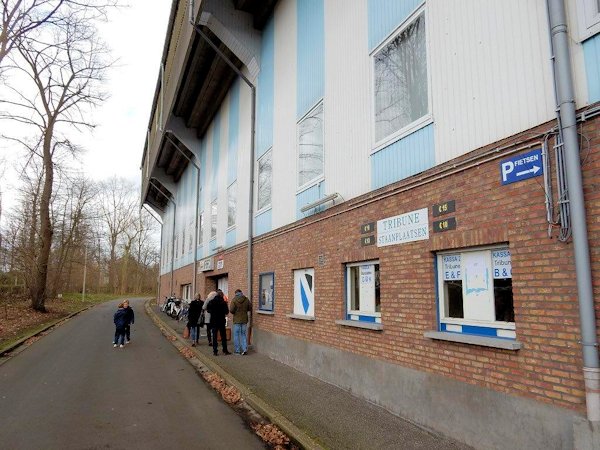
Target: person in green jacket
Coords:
[(240, 307)]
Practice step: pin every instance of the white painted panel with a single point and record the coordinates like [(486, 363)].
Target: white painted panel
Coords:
[(506, 334), (577, 58), (284, 121), (347, 102), (243, 163), (222, 173), (490, 71), (454, 328)]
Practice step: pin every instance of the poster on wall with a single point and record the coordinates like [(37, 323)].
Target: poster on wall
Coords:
[(266, 292), (367, 287)]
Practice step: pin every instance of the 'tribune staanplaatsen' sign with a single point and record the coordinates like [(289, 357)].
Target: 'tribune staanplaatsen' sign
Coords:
[(409, 227)]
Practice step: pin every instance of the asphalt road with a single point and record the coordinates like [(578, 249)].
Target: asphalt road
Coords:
[(73, 390)]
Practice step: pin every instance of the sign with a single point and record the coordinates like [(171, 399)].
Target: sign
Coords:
[(501, 264), (444, 225), (521, 167), (443, 208), (206, 264), (367, 228), (367, 240), (451, 267), (220, 264), (409, 227), (367, 287)]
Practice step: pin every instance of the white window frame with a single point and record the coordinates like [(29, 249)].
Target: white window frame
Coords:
[(321, 176), (214, 206), (201, 228), (588, 18), (419, 123), (351, 312), (441, 300), (260, 210), (232, 186)]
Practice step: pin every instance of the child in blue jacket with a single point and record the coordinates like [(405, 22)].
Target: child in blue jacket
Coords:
[(121, 321)]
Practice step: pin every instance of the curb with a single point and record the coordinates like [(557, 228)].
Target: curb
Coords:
[(262, 407), (57, 322)]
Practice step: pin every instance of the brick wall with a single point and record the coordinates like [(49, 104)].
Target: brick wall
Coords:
[(549, 366)]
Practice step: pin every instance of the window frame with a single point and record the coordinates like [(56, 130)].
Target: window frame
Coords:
[(200, 229), (233, 185), (357, 315), (441, 313), (317, 179), (259, 209), (588, 18), (417, 124), (260, 288), (214, 205)]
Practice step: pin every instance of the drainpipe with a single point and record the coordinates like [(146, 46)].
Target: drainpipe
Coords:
[(568, 123), (197, 166), (252, 133), (172, 234)]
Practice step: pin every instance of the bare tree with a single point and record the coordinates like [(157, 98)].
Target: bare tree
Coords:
[(65, 65)]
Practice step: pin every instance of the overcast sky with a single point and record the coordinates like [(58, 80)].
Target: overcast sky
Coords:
[(136, 36)]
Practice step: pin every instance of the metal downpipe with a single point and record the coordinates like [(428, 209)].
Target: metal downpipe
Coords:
[(568, 119)]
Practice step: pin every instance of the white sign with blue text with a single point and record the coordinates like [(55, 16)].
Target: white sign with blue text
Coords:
[(501, 264), (409, 227), (521, 167)]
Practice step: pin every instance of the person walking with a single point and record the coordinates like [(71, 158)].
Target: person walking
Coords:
[(240, 307), (130, 320), (218, 310), (120, 320), (209, 298), (194, 312)]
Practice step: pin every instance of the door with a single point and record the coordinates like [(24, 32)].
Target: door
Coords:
[(223, 284)]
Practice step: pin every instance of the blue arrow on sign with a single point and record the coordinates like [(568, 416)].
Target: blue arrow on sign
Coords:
[(521, 167)]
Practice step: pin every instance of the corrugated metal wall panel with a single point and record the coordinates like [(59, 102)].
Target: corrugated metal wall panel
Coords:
[(591, 51), (384, 16), (230, 238), (284, 138), (311, 55), (347, 102), (408, 156), (490, 71), (265, 91), (307, 196), (263, 222)]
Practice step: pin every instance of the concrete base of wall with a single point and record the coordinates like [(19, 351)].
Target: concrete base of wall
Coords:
[(480, 417)]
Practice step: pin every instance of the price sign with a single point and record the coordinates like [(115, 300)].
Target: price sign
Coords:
[(444, 225), (367, 240), (367, 228), (443, 208)]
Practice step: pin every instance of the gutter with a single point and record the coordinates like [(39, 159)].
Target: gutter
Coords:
[(568, 126)]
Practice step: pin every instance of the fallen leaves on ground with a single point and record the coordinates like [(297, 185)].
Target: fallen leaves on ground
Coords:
[(187, 352), (271, 434), (18, 316)]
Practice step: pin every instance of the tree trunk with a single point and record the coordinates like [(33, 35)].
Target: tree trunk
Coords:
[(38, 298)]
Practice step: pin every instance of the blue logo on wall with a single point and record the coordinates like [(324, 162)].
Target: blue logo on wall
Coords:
[(521, 167)]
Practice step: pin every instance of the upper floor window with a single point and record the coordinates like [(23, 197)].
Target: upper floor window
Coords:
[(200, 228), (475, 290), (213, 219), (310, 146), (400, 80), (265, 179), (231, 204)]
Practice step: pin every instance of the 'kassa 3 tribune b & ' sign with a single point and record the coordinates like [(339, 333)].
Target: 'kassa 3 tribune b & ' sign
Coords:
[(409, 227)]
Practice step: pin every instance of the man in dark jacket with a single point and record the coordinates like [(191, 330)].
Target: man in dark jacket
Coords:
[(194, 312), (130, 317), (239, 307), (120, 320), (218, 310)]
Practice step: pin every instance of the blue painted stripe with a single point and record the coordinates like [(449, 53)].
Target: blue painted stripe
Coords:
[(476, 331), (306, 197), (234, 132), (591, 52), (311, 54), (230, 238), (212, 245), (200, 252), (410, 155), (387, 15), (216, 136), (263, 223), (265, 94), (361, 318)]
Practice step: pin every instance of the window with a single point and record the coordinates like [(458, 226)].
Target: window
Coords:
[(266, 298), (191, 240), (183, 241), (265, 177), (304, 292), (231, 204), (588, 12), (310, 146), (186, 292), (176, 246), (213, 219), (363, 291), (475, 290), (200, 228), (400, 81)]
